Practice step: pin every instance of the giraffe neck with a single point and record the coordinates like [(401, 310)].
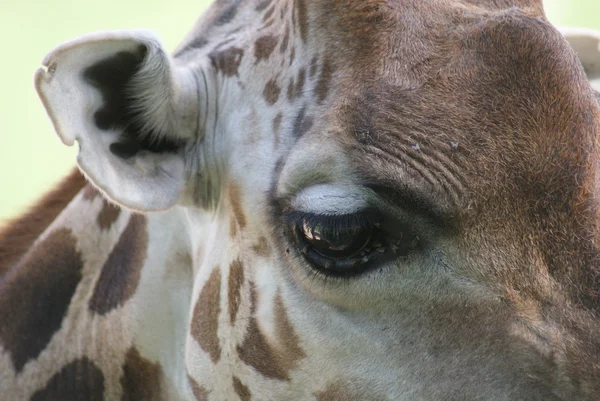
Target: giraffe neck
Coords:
[(120, 285), (18, 235)]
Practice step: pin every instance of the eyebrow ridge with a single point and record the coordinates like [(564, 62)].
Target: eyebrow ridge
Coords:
[(411, 201)]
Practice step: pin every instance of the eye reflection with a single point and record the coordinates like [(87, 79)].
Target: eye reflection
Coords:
[(337, 242), (351, 244)]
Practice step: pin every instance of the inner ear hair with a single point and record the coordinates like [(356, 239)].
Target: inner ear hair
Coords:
[(138, 97)]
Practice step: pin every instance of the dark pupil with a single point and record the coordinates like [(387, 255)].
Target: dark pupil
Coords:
[(339, 243)]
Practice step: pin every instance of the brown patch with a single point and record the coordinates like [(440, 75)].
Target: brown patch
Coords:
[(334, 392), (227, 61), (285, 41), (302, 123), (314, 65), (236, 280), (302, 13), (255, 351), (241, 390), (200, 392), (35, 295), (232, 227), (277, 122), (289, 343), (295, 88), (276, 126), (300, 81), (141, 379), (19, 234), (368, 29), (236, 207), (108, 215), (90, 193), (324, 82), (262, 247), (292, 55), (121, 273), (264, 46), (78, 381), (205, 320), (291, 90), (340, 391), (271, 92)]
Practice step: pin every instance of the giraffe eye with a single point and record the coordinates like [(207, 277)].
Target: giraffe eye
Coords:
[(341, 242), (347, 245)]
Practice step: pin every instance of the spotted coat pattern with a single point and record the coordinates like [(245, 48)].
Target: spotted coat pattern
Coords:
[(469, 125)]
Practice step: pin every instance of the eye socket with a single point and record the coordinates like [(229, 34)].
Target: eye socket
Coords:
[(348, 245)]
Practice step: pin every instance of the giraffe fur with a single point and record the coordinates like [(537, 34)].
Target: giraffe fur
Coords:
[(324, 200)]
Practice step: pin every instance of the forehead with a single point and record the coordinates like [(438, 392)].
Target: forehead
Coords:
[(467, 97), (442, 92)]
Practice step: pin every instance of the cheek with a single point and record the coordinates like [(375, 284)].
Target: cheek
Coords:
[(341, 346)]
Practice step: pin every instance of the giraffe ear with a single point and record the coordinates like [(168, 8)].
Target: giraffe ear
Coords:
[(586, 43), (131, 110)]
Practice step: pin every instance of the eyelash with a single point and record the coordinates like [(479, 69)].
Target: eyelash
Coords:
[(378, 247)]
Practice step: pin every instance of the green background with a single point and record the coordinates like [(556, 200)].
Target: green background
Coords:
[(32, 158)]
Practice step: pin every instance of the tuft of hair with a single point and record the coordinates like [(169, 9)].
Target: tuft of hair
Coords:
[(152, 91)]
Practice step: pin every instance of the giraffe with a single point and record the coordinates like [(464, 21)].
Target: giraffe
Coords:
[(315, 200)]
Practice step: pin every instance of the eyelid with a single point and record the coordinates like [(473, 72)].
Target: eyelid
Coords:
[(327, 199), (361, 216)]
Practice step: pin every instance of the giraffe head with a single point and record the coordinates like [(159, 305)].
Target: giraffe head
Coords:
[(381, 199)]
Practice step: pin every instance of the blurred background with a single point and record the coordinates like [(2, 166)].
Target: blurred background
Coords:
[(32, 158)]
